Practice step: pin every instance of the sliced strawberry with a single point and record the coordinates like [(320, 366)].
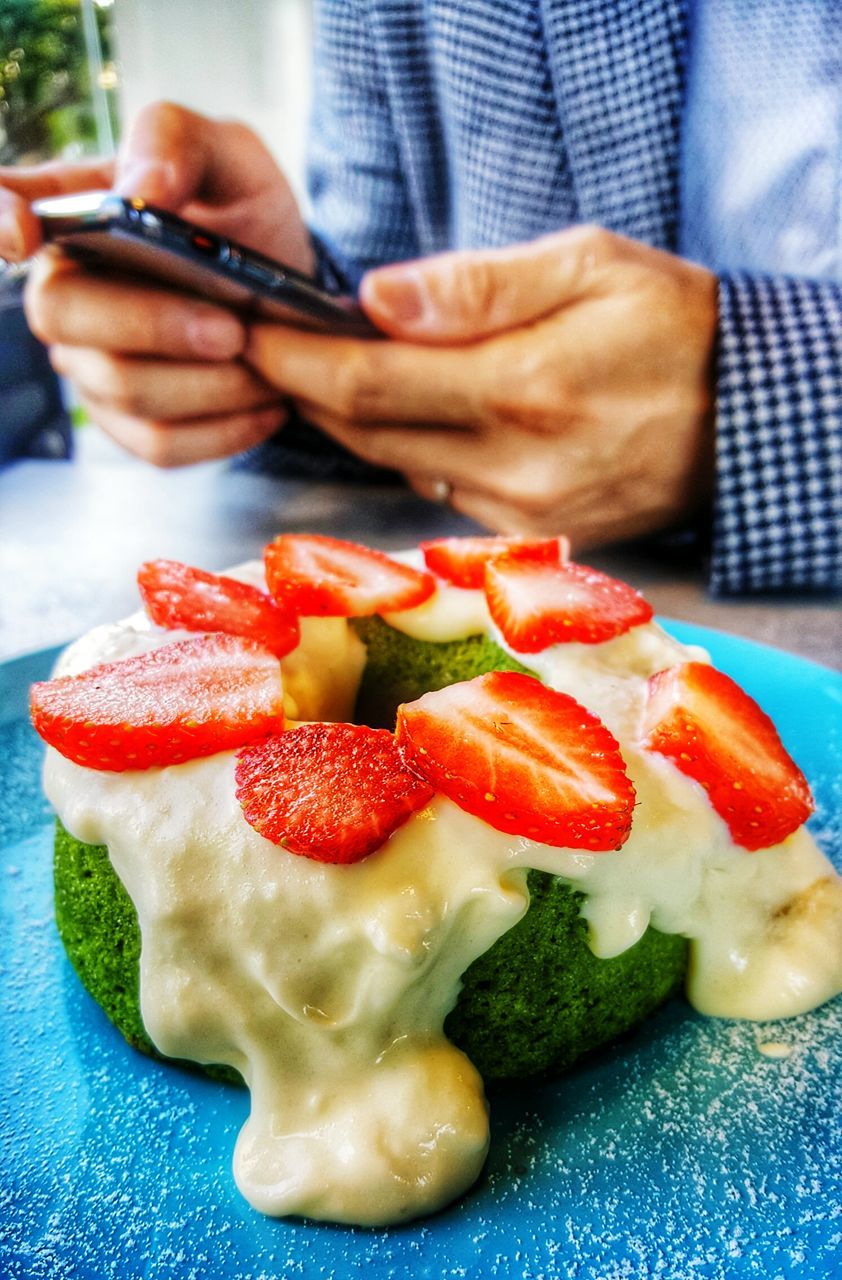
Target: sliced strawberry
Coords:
[(718, 735), (536, 604), (462, 561), (527, 760), (333, 792), (177, 595), (315, 575), (184, 700)]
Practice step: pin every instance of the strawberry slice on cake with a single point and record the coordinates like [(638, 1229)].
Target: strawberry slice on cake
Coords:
[(314, 575), (715, 733), (177, 596), (528, 760), (333, 792), (538, 603), (462, 561), (175, 703)]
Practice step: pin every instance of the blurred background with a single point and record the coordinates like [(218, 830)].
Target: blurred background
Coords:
[(72, 71)]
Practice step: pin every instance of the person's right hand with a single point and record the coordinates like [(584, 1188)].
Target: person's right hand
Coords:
[(159, 371)]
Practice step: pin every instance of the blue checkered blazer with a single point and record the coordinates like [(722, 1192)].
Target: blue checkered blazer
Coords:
[(442, 123)]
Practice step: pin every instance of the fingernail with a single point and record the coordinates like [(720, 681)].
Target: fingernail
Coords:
[(151, 180), (398, 295), (215, 335), (12, 245)]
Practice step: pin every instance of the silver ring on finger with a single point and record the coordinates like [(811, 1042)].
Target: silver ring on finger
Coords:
[(441, 490)]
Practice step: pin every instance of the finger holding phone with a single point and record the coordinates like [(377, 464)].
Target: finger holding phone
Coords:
[(566, 379), (159, 371)]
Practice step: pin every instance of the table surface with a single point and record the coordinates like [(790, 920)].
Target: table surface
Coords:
[(72, 535)]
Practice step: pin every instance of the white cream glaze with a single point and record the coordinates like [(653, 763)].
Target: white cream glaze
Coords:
[(327, 986), (451, 613), (326, 990)]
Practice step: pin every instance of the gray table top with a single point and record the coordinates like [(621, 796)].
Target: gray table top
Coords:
[(72, 535)]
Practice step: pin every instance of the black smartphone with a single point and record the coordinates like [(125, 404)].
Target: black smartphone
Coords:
[(108, 232)]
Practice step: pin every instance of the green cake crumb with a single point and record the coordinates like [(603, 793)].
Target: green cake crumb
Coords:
[(97, 923), (539, 999)]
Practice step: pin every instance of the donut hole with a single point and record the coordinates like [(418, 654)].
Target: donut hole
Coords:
[(400, 668)]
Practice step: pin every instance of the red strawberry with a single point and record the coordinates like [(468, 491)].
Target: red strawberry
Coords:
[(176, 595), (462, 561), (537, 604), (313, 575), (333, 792), (715, 733), (184, 700), (528, 760)]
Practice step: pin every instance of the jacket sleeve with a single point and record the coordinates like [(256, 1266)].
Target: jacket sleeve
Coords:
[(778, 500), (359, 214), (360, 210)]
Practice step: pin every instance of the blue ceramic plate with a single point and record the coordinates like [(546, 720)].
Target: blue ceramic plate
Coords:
[(685, 1152)]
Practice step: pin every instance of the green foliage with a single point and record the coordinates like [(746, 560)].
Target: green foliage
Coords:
[(45, 84)]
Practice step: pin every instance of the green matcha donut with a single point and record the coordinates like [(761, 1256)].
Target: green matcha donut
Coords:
[(532, 1005)]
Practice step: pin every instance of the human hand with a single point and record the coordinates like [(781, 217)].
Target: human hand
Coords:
[(20, 231), (560, 384), (159, 371)]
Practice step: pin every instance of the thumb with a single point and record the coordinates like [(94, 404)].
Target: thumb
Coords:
[(164, 156), (469, 294)]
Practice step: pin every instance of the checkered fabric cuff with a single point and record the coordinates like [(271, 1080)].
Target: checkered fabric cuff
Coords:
[(778, 503)]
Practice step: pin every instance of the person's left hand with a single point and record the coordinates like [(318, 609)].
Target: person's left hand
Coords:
[(564, 384)]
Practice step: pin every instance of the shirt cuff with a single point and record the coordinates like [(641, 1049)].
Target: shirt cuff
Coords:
[(778, 501)]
